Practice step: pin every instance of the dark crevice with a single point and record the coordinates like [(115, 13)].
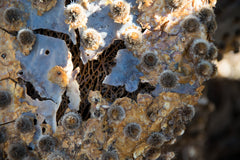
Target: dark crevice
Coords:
[(13, 33), (32, 92), (54, 34)]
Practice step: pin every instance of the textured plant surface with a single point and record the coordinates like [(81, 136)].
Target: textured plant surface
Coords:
[(101, 79)]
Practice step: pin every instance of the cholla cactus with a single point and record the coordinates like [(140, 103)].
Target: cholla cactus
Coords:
[(137, 107)]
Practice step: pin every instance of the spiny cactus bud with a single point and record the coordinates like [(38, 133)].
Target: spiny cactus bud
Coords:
[(156, 139), (91, 39), (206, 69), (83, 157), (150, 59), (188, 113), (26, 38), (168, 79), (71, 121), (109, 156), (57, 156), (5, 99), (116, 113), (206, 14), (24, 124), (199, 47), (12, 15), (191, 24), (3, 135), (120, 11), (132, 130), (212, 52), (173, 4), (75, 15), (133, 38), (43, 5), (17, 151), (47, 143), (211, 26)]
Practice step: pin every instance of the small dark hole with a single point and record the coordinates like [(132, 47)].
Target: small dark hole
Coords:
[(30, 148), (20, 72), (3, 55), (47, 52), (43, 130), (35, 121)]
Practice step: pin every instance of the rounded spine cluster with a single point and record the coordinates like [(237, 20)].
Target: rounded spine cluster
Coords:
[(43, 5), (199, 48), (150, 59), (156, 139), (26, 38), (12, 15), (5, 99), (24, 124), (91, 39), (133, 38), (191, 24), (132, 130), (168, 79), (47, 143), (75, 16), (3, 135), (173, 4), (17, 151), (56, 156), (109, 156), (71, 121), (116, 113), (120, 11), (206, 69)]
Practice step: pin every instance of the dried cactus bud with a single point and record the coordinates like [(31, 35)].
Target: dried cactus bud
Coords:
[(206, 14), (168, 79), (56, 156), (206, 69), (75, 16), (133, 38), (179, 129), (191, 24), (24, 124), (5, 99), (120, 11), (211, 26), (26, 38), (47, 143), (199, 47), (84, 157), (150, 59), (17, 151), (3, 135), (58, 76), (212, 52), (12, 15), (91, 39), (132, 130), (43, 5), (173, 4), (116, 113), (188, 113), (156, 139), (71, 121), (109, 156), (31, 157)]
